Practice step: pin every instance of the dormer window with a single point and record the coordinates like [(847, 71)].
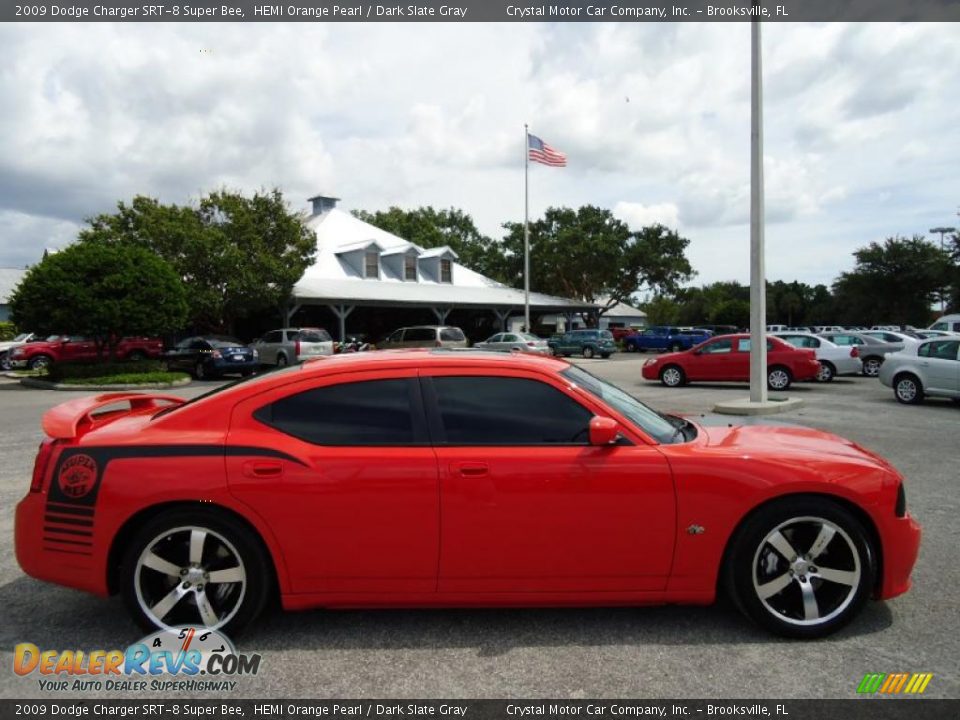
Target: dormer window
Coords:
[(446, 271), (371, 265), (410, 267)]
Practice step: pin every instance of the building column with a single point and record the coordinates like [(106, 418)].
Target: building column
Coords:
[(290, 312), (502, 316), (441, 313), (342, 311)]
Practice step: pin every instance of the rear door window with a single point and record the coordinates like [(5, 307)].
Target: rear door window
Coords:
[(451, 334), (367, 413), (419, 335)]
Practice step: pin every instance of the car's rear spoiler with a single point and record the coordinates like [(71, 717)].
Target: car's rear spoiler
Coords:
[(64, 420)]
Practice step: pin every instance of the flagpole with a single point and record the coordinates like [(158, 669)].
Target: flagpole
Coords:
[(526, 229)]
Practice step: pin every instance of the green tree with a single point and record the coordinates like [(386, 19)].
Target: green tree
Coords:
[(102, 291), (894, 282), (236, 255), (661, 310), (589, 254), (431, 228)]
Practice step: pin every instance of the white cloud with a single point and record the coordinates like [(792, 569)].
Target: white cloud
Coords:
[(638, 215)]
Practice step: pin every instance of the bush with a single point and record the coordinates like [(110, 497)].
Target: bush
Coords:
[(130, 379), (59, 372), (8, 331)]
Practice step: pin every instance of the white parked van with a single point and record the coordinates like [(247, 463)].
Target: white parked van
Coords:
[(950, 323)]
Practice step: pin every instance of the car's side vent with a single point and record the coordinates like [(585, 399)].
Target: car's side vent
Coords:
[(901, 508)]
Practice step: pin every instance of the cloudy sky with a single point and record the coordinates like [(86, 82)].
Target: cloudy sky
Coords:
[(862, 138)]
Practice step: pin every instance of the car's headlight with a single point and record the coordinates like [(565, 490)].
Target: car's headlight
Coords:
[(256, 355)]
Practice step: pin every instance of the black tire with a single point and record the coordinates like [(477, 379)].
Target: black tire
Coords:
[(774, 590), (5, 361), (779, 378), (673, 376), (200, 371), (588, 352), (605, 356), (871, 366), (39, 362), (137, 356), (827, 372), (630, 347), (228, 544), (282, 360), (908, 389), (676, 347)]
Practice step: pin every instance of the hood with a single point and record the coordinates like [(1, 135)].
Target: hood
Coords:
[(782, 439)]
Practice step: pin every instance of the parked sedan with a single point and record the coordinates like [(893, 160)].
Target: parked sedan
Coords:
[(930, 368), (727, 358), (212, 356), (834, 360), (515, 342), (453, 479), (872, 351)]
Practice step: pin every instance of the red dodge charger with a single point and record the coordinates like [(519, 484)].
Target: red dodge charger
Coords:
[(727, 358), (433, 478)]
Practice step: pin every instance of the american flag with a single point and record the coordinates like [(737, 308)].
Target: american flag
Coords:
[(542, 153)]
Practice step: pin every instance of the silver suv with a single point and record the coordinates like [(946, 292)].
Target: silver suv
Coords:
[(292, 345), (425, 336)]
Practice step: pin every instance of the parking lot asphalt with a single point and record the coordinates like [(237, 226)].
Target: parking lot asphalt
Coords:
[(659, 652)]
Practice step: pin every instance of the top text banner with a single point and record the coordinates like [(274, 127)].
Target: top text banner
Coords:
[(477, 11)]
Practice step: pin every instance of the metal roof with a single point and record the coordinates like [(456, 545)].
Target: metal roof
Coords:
[(331, 280)]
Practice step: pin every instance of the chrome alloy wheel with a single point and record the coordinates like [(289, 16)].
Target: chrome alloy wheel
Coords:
[(806, 571), (871, 367), (672, 377), (778, 379), (189, 575), (906, 390)]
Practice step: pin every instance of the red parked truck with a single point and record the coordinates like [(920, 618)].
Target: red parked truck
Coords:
[(77, 348)]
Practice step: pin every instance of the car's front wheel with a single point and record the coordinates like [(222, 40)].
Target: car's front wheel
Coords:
[(676, 347), (801, 567), (282, 360), (826, 372), (672, 376), (190, 567), (40, 362), (588, 352), (907, 389)]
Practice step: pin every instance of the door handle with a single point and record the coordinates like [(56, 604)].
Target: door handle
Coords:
[(472, 469), (261, 469)]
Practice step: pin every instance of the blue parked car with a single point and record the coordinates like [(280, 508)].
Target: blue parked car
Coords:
[(665, 337), (212, 356)]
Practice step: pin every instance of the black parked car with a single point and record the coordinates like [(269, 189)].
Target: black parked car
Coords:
[(211, 356)]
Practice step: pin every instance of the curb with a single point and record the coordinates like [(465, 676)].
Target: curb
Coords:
[(47, 385)]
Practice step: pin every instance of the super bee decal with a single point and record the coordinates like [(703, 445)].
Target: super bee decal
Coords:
[(72, 497)]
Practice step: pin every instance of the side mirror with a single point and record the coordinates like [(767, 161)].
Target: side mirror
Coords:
[(603, 431)]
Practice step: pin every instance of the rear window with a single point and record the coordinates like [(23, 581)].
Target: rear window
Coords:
[(606, 335), (317, 335), (452, 334), (225, 343)]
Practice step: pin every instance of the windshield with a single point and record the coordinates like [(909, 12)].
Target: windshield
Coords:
[(529, 337), (22, 337), (657, 426)]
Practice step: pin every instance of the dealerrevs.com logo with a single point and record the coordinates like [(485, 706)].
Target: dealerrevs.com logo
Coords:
[(894, 683), (188, 659)]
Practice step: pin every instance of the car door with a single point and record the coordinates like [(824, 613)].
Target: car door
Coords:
[(711, 361), (938, 362), (77, 348), (352, 495), (493, 342), (269, 345), (527, 505)]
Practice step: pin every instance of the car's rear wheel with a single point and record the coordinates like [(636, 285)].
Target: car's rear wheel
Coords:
[(5, 361), (672, 376), (588, 352), (871, 366), (200, 372), (778, 378), (40, 362), (801, 567), (676, 347), (826, 372), (630, 347), (908, 389), (189, 567), (282, 360)]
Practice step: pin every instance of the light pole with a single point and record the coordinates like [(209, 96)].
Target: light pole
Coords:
[(943, 231)]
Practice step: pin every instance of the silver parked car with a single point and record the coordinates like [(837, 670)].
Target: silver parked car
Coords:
[(515, 342), (931, 368), (834, 360), (872, 351), (422, 336), (288, 346)]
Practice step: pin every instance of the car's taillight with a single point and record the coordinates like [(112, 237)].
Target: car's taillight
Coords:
[(854, 351), (44, 453), (216, 355), (296, 348), (531, 344)]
